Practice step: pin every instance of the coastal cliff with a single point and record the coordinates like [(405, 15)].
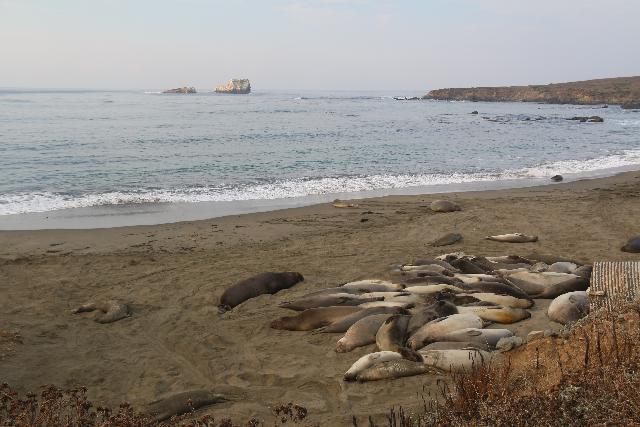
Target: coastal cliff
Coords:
[(184, 89), (624, 91), (236, 86)]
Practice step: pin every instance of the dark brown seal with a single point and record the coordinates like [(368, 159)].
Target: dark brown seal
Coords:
[(182, 403), (265, 283), (314, 318)]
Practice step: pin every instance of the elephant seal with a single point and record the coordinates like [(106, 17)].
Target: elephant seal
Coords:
[(342, 325), (484, 337), (513, 238), (392, 336), (182, 403), (373, 285), (510, 259), (426, 261), (313, 318), (475, 278), (446, 240), (499, 299), (433, 268), (456, 360), (563, 267), (633, 245), (433, 289), (361, 333), (569, 307), (264, 283), (435, 329), (444, 206), (497, 314), (329, 300), (392, 369), (535, 283), (113, 310), (455, 345), (399, 304), (434, 311), (434, 280), (467, 266), (507, 295), (368, 361)]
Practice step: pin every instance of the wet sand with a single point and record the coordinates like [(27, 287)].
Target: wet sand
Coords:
[(173, 274)]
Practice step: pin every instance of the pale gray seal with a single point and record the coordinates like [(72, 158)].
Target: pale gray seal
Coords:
[(569, 307), (113, 310), (444, 206), (361, 333), (265, 283), (435, 329), (483, 337), (455, 345), (536, 283), (513, 238), (368, 361), (313, 318), (432, 312), (373, 285), (456, 360), (393, 369), (446, 240), (182, 403)]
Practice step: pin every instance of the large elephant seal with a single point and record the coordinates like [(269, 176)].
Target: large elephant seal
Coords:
[(481, 337), (433, 289), (392, 336), (393, 369), (182, 403), (513, 238), (569, 307), (432, 312), (444, 206), (536, 283), (499, 293), (373, 285), (446, 240), (456, 360), (497, 314), (368, 361), (455, 345), (110, 310), (633, 245), (435, 329), (313, 318), (342, 325), (328, 300), (577, 284), (361, 333), (265, 283)]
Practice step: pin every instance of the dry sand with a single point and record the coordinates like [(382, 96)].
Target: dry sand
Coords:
[(173, 275)]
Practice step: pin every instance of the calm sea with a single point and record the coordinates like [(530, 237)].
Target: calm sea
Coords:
[(100, 150)]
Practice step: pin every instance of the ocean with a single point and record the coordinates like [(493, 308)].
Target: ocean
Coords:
[(103, 158)]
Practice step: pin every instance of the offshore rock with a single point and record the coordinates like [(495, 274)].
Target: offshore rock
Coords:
[(184, 89), (236, 86)]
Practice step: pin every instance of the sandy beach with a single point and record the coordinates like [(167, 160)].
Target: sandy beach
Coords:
[(173, 275)]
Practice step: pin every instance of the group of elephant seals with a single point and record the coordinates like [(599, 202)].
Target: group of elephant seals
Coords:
[(113, 310), (446, 240), (444, 206), (569, 307), (513, 238), (264, 283), (633, 245), (182, 403)]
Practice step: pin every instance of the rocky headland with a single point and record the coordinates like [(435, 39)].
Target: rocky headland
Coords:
[(235, 86), (624, 91), (184, 89)]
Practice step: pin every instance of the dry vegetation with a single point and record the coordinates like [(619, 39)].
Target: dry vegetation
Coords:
[(589, 376)]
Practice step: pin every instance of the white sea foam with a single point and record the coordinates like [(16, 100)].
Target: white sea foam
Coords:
[(44, 201)]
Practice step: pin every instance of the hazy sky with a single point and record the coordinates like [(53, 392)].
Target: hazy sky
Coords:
[(314, 44)]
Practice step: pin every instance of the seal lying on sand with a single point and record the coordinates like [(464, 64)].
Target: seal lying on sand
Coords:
[(435, 329), (444, 206), (456, 360), (373, 285), (569, 307), (361, 333), (481, 337), (329, 300), (633, 245), (265, 283), (392, 336), (393, 369), (368, 361), (346, 322), (113, 310), (182, 403), (498, 314), (455, 345), (446, 240), (432, 312), (313, 318), (513, 238)]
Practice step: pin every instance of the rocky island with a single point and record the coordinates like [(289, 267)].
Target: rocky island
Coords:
[(235, 86), (184, 89), (624, 91)]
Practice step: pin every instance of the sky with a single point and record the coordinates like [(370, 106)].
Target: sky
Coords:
[(314, 44)]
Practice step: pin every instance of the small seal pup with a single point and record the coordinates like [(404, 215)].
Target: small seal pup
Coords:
[(456, 360), (432, 312), (633, 245), (113, 310), (313, 318), (182, 403), (393, 369), (361, 333), (513, 238), (446, 240), (342, 325), (444, 206), (329, 300), (435, 329), (368, 361), (264, 283), (569, 307), (392, 336), (481, 337)]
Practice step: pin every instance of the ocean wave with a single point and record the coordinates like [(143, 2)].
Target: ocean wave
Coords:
[(47, 201)]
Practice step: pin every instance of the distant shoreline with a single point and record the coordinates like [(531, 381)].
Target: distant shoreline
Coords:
[(623, 91)]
